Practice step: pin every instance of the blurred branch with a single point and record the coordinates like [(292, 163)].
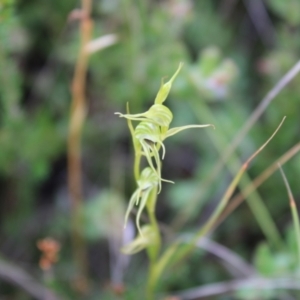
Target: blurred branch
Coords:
[(257, 283), (16, 276), (238, 199), (234, 263), (78, 111), (227, 256), (261, 21), (226, 8), (241, 267)]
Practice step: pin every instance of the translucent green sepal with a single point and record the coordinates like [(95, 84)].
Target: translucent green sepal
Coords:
[(158, 114), (175, 130)]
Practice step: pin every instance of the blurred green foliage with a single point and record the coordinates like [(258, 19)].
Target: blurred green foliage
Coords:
[(228, 68)]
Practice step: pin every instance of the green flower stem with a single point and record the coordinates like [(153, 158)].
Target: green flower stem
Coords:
[(296, 226), (154, 249), (294, 211), (151, 204), (137, 162), (136, 146), (157, 269)]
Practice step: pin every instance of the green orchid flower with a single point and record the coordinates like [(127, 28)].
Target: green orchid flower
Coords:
[(147, 182), (158, 113), (153, 129), (151, 137), (146, 238)]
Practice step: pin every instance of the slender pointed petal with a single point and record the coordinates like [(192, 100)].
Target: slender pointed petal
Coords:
[(136, 117), (158, 114), (148, 155), (166, 180), (175, 130), (163, 147), (158, 166), (141, 207), (132, 200)]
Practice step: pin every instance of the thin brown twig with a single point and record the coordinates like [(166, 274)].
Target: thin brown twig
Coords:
[(19, 277), (74, 144), (257, 283)]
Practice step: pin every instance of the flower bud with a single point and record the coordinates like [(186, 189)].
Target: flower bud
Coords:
[(165, 88)]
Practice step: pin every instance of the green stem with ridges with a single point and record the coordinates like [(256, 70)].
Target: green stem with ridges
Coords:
[(154, 249)]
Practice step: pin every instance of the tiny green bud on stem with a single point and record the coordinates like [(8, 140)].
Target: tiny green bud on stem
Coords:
[(166, 87)]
